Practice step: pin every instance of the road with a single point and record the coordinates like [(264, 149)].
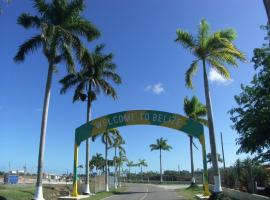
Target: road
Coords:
[(146, 192)]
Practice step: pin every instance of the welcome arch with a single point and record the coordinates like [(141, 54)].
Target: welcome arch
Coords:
[(139, 117)]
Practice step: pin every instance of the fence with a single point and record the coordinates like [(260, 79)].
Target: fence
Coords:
[(235, 194), (97, 184)]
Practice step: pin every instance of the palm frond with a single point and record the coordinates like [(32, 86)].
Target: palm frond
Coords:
[(79, 92), (29, 46), (67, 58), (190, 73), (223, 57), (75, 6), (68, 81), (84, 28), (216, 48), (112, 76), (230, 50), (153, 147), (41, 6), (108, 89), (185, 39), (29, 21), (204, 30), (219, 68), (229, 34)]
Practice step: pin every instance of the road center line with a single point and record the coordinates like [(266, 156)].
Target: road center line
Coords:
[(144, 196)]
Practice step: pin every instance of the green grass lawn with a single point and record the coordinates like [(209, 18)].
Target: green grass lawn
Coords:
[(190, 192), (15, 192), (10, 192)]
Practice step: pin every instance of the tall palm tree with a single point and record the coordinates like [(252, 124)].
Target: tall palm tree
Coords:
[(216, 50), (195, 110), (118, 141), (97, 70), (119, 162), (60, 27), (142, 163), (129, 165), (161, 144), (107, 140)]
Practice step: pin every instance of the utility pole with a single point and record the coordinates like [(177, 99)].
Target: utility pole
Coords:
[(224, 166), (223, 157)]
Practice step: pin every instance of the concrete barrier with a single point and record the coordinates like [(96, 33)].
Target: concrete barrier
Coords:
[(236, 194)]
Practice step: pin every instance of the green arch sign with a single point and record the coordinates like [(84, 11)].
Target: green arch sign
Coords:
[(139, 117)]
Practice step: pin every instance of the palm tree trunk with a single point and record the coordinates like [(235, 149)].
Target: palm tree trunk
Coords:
[(115, 169), (38, 191), (160, 163), (119, 175), (267, 8), (191, 160), (106, 166), (217, 182), (88, 118)]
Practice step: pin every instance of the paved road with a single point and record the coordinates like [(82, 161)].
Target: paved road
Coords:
[(146, 192)]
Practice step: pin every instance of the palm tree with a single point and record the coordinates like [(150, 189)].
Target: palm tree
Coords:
[(118, 141), (142, 163), (98, 161), (160, 145), (80, 167), (60, 27), (107, 140), (195, 110), (96, 71), (217, 50), (129, 165), (119, 162)]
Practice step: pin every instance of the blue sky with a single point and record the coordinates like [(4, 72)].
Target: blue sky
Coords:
[(141, 35)]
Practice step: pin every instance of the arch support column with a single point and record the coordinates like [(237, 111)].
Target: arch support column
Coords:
[(75, 171), (205, 172)]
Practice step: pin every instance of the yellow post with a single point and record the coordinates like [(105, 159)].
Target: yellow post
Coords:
[(205, 172), (75, 177)]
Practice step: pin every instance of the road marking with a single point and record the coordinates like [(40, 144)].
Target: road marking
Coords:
[(144, 196), (110, 196)]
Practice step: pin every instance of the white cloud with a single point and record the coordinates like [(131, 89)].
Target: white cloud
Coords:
[(214, 76), (157, 88)]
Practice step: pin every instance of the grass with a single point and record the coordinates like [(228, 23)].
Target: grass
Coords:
[(102, 195), (190, 192), (12, 192), (26, 192)]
